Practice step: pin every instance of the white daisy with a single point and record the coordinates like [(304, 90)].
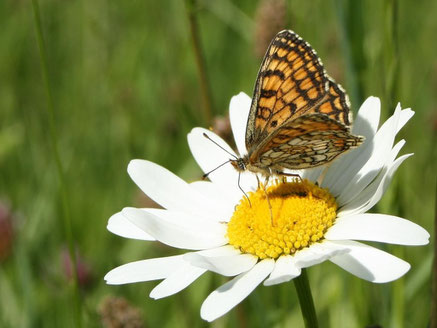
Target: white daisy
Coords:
[(227, 235)]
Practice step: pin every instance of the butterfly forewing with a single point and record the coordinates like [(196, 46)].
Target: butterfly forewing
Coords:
[(291, 81), (299, 117)]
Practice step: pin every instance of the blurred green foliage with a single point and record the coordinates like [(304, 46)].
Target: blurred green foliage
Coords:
[(125, 85)]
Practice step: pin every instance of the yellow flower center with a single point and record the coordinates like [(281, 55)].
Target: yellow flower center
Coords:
[(300, 215)]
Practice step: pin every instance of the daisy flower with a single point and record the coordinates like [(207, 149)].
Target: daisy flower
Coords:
[(237, 236)]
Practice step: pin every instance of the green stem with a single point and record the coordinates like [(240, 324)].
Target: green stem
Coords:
[(58, 163), (200, 61), (352, 39), (306, 300), (391, 52), (392, 92)]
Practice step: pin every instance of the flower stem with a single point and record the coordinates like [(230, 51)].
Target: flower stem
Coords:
[(200, 61), (391, 53), (59, 168), (306, 300), (352, 33)]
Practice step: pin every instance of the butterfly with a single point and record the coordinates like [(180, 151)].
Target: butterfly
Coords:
[(299, 117)]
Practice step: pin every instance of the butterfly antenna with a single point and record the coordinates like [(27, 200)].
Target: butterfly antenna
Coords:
[(207, 137), (208, 173), (239, 186), (239, 173)]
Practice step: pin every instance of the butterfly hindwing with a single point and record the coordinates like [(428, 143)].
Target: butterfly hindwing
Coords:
[(305, 142), (335, 104)]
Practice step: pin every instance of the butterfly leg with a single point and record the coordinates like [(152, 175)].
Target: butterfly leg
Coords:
[(267, 198), (294, 175), (239, 186), (259, 182)]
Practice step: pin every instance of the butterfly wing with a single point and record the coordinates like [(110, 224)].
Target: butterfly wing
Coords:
[(308, 141), (291, 82), (335, 104)]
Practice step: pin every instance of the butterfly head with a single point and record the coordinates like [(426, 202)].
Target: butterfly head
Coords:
[(240, 164)]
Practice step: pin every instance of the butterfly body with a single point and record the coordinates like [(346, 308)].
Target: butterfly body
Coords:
[(299, 117)]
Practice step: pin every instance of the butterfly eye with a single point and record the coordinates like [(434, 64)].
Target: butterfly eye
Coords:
[(238, 164), (241, 164)]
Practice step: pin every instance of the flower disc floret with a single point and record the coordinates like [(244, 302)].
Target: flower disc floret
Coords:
[(300, 215)]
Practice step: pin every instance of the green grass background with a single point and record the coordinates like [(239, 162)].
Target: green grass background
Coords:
[(125, 85)]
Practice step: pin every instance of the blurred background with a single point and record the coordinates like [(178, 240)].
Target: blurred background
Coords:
[(130, 79)]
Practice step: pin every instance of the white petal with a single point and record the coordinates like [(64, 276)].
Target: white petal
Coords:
[(285, 270), (372, 193), (406, 114), (395, 151), (177, 229), (378, 227), (225, 201), (238, 114), (370, 263), (167, 189), (313, 173), (209, 156), (367, 119), (233, 292), (318, 253), (213, 192), (344, 168), (225, 260), (355, 170), (382, 145), (120, 225), (145, 270), (181, 278)]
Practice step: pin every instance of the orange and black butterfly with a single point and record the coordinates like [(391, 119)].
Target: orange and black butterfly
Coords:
[(299, 117)]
